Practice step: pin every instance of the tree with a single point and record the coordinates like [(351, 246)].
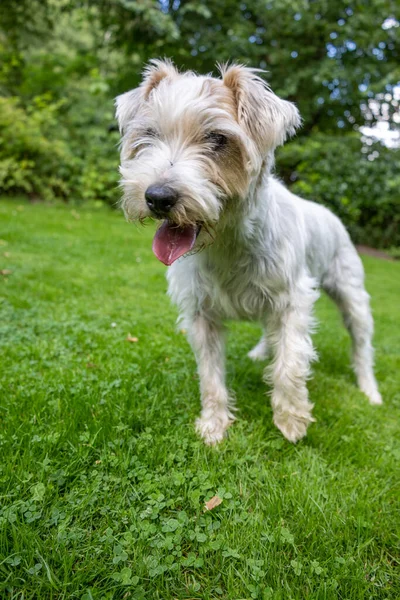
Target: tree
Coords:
[(329, 57), (63, 61)]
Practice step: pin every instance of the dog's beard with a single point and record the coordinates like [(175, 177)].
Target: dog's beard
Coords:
[(199, 208)]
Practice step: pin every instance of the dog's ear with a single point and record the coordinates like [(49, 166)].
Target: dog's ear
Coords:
[(156, 71), (268, 119), (128, 104)]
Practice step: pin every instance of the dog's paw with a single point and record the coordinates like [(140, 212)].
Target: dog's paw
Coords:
[(374, 397), (293, 426), (370, 389), (212, 429)]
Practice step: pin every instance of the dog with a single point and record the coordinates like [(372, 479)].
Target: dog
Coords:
[(197, 153)]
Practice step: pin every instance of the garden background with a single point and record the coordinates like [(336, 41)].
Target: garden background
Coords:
[(63, 61)]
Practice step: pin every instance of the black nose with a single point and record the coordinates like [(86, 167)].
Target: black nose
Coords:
[(160, 199)]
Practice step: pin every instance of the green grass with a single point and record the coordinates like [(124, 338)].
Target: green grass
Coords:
[(103, 480)]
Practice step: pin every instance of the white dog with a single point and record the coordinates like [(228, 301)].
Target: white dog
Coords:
[(197, 152)]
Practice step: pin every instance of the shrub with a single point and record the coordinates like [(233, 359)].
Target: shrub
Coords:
[(41, 157), (358, 180), (32, 161), (59, 148)]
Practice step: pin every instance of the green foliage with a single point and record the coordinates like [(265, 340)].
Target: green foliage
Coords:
[(30, 161), (62, 63), (39, 158), (358, 181), (329, 57), (55, 138), (103, 478)]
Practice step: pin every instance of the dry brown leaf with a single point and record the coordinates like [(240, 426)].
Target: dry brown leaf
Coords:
[(130, 338), (213, 502), (5, 272)]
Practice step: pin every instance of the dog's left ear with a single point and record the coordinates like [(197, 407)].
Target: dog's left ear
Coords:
[(268, 119), (127, 106), (155, 71)]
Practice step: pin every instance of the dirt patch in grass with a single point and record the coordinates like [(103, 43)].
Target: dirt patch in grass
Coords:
[(374, 252)]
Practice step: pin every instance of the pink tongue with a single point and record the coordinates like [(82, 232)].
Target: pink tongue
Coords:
[(171, 241)]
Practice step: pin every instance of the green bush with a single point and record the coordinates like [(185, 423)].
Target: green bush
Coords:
[(31, 160), (44, 158), (357, 180), (58, 148), (61, 68)]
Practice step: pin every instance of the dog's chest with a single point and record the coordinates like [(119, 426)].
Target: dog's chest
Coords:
[(238, 287), (229, 282), (233, 302)]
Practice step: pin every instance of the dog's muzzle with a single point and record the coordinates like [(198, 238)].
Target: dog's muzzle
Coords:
[(160, 199), (171, 241)]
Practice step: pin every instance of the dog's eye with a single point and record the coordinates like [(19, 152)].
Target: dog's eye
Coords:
[(218, 140), (149, 132)]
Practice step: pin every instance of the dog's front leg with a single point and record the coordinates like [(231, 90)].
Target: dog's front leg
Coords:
[(289, 336), (207, 340)]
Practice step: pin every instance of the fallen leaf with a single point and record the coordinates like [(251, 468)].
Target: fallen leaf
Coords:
[(213, 502), (91, 365), (130, 338), (5, 272)]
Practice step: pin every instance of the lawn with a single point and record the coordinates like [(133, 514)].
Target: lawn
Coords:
[(103, 480)]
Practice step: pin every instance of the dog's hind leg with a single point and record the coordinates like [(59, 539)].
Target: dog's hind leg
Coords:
[(260, 350), (288, 329), (207, 340), (344, 283)]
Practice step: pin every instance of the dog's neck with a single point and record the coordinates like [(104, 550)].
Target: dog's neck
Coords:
[(241, 222)]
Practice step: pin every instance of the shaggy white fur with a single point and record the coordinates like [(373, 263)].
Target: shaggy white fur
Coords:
[(258, 252)]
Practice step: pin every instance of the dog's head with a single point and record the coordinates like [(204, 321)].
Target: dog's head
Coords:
[(192, 146)]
